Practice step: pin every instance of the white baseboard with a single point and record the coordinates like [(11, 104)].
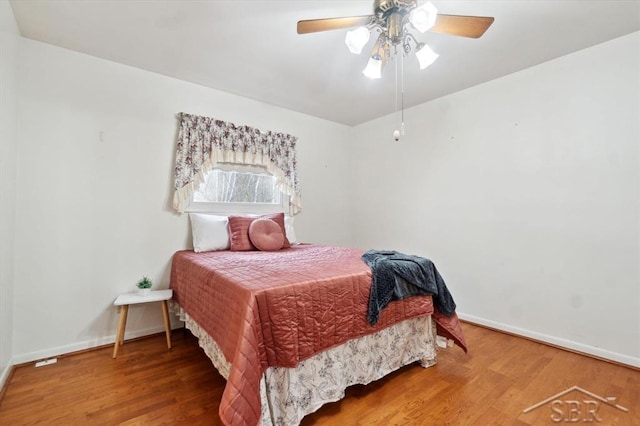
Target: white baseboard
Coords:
[(79, 346), (556, 341), (5, 373)]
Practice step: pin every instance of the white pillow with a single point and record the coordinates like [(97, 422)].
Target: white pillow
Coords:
[(288, 229), (210, 232)]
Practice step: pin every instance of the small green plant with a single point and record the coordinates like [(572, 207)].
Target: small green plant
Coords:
[(145, 282)]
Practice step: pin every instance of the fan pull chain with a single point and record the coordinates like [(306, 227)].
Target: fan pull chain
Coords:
[(398, 132), (399, 63), (402, 94)]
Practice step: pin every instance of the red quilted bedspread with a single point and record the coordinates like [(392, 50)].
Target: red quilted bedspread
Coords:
[(278, 308)]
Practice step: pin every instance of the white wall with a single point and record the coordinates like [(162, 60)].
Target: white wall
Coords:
[(9, 39), (524, 191), (95, 185)]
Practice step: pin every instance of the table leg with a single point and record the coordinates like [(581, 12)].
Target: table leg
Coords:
[(121, 326), (124, 325), (167, 326)]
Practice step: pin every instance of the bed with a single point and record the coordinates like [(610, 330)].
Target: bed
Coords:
[(288, 329)]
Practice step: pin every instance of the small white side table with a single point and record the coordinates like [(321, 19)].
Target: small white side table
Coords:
[(124, 300)]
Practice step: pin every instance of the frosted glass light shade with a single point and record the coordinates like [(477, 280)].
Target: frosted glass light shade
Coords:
[(424, 17), (356, 39), (426, 56), (374, 68)]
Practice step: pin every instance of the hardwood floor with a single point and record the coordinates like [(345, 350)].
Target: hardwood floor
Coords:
[(500, 377)]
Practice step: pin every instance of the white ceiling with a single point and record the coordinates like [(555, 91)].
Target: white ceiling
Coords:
[(251, 47)]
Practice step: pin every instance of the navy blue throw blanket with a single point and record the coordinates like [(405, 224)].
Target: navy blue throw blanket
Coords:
[(397, 276)]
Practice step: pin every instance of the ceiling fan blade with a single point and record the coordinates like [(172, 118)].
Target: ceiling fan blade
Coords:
[(465, 26), (328, 24)]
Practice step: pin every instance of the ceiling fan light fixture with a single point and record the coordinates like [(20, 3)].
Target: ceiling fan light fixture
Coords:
[(425, 56), (424, 17), (357, 39), (374, 67)]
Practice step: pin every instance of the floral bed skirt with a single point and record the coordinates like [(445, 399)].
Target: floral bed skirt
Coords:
[(289, 394)]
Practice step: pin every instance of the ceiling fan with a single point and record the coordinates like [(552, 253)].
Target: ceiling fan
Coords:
[(393, 19)]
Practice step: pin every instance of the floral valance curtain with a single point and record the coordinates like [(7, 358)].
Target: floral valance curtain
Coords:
[(203, 142)]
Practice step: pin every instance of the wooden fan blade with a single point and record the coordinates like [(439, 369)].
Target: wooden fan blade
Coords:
[(465, 26), (328, 24)]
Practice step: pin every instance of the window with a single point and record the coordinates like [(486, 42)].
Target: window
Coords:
[(205, 141), (232, 188)]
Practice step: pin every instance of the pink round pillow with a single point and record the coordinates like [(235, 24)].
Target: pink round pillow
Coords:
[(266, 235)]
